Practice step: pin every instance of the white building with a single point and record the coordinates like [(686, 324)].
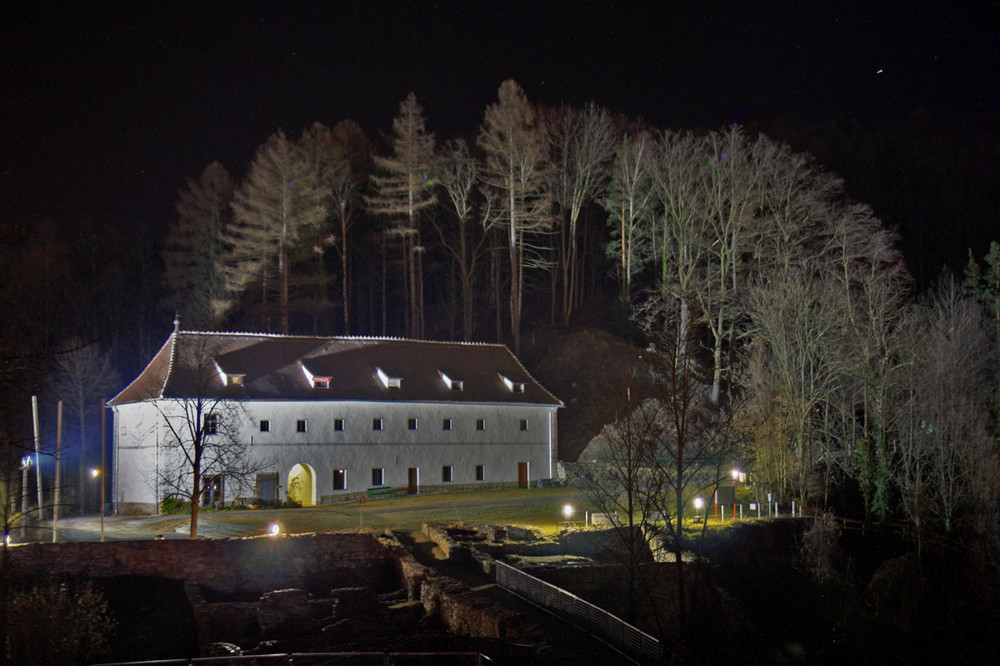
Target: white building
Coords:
[(330, 418)]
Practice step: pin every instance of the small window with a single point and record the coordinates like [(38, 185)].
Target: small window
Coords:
[(411, 424), (338, 425), (512, 386), (300, 425), (235, 380), (480, 472), (321, 382), (265, 425), (376, 424), (524, 424), (211, 424), (480, 424), (387, 381), (340, 479), (447, 424), (446, 474), (377, 475)]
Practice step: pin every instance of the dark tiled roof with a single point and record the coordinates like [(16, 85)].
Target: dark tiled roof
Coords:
[(189, 364)]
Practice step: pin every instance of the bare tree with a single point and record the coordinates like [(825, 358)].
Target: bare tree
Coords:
[(81, 377), (515, 179), (346, 192), (581, 145), (617, 477), (629, 204), (464, 239), (403, 189), (203, 442), (948, 432)]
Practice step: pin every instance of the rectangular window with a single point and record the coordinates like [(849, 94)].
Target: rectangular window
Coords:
[(340, 479), (447, 424), (300, 425), (211, 424), (265, 425), (411, 424), (524, 424), (480, 472), (338, 425), (377, 474), (446, 474), (376, 424), (480, 424)]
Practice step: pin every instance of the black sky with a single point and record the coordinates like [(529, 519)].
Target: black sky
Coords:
[(108, 108)]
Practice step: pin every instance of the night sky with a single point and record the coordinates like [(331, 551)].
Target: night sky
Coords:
[(107, 109)]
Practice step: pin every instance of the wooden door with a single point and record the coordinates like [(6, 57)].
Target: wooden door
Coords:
[(413, 481), (522, 475)]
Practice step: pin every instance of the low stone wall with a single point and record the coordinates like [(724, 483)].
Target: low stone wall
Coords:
[(232, 568)]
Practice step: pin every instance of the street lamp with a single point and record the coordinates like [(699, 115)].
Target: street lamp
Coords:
[(567, 512), (275, 529), (94, 474)]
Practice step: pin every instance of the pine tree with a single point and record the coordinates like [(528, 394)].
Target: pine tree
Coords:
[(404, 188), (515, 177), (276, 210), (194, 243)]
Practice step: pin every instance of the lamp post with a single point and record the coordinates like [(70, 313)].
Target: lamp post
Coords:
[(25, 466), (568, 513), (96, 474)]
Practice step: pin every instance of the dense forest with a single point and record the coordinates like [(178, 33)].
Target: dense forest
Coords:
[(726, 251)]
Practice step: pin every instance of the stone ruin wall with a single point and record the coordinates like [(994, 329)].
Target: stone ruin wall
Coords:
[(225, 578)]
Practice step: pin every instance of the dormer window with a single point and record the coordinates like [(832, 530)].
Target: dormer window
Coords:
[(316, 381), (387, 381), (512, 386), (227, 378), (452, 384), (235, 380)]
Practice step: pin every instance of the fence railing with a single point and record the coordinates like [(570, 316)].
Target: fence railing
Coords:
[(325, 659), (630, 641)]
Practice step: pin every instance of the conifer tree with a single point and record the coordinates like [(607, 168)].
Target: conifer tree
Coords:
[(403, 189)]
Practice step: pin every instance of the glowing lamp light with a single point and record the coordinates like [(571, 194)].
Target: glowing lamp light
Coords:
[(736, 474), (94, 472), (699, 503), (568, 511), (274, 530)]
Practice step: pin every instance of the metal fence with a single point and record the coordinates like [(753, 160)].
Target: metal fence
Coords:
[(326, 659), (632, 642)]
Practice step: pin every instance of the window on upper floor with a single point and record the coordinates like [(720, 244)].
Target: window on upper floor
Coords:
[(265, 425), (300, 425), (338, 425), (524, 424), (211, 424), (446, 425), (480, 424), (411, 423), (376, 424)]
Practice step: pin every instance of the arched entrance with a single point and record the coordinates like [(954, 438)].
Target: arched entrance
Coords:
[(302, 484)]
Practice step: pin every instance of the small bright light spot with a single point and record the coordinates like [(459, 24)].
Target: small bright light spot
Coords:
[(736, 474), (275, 529), (568, 511), (6, 539), (26, 462), (94, 472), (698, 502)]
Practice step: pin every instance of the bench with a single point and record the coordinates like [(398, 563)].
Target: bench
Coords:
[(381, 491)]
